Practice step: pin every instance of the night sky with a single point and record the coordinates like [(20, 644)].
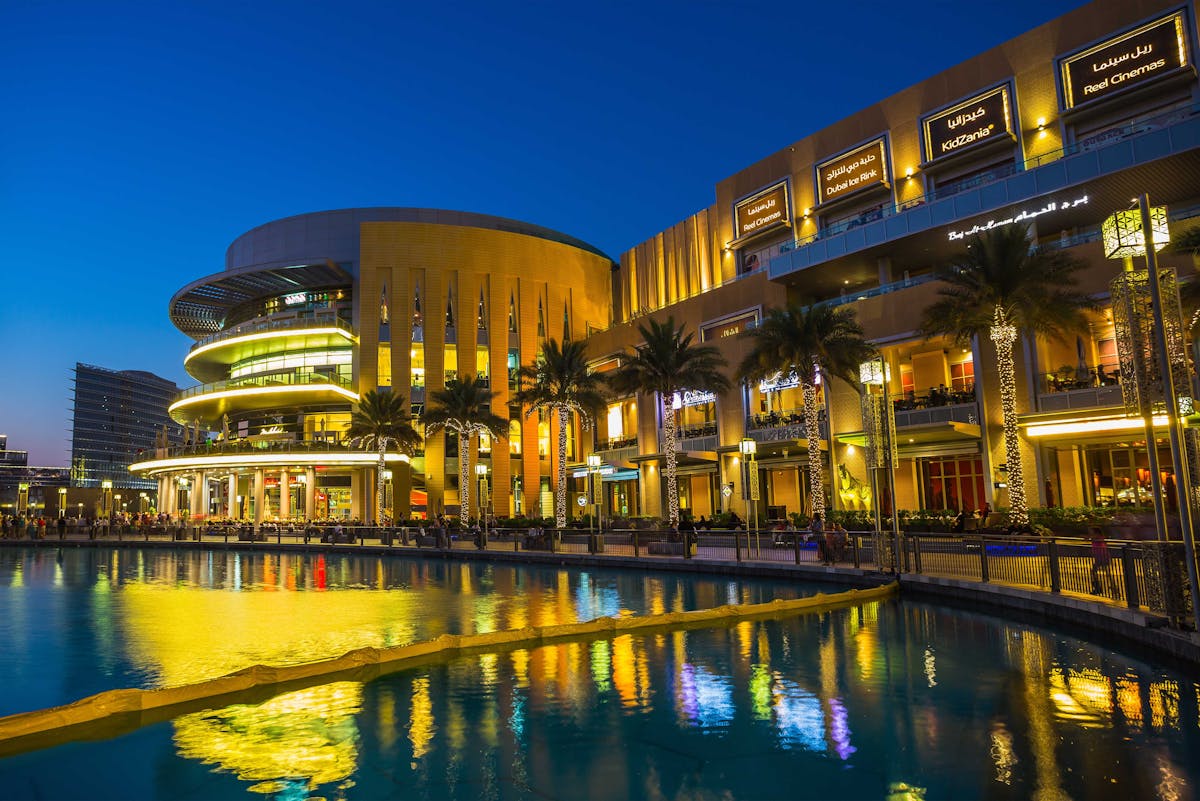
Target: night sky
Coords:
[(139, 139)]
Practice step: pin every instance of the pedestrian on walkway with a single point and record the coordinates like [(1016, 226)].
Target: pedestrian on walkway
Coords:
[(1101, 560)]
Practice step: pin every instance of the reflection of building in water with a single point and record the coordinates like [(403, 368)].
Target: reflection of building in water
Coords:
[(308, 737)]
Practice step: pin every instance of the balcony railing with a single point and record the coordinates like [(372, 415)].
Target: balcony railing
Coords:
[(326, 319), (270, 380)]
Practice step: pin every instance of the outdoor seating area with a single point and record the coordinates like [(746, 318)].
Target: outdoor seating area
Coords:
[(1067, 379), (935, 397)]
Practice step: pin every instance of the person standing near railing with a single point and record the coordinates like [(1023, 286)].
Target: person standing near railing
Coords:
[(1101, 561)]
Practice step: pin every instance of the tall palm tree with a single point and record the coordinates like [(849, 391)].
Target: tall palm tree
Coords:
[(667, 362), (464, 407), (382, 421), (561, 383), (1002, 284), (808, 342)]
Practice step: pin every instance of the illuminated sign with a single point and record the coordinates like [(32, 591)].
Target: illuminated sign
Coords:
[(728, 328), (692, 397), (1022, 216), (604, 470), (778, 382), (1128, 60), (983, 118), (864, 167), (763, 211), (294, 298)]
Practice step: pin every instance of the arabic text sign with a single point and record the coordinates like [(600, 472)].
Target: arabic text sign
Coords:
[(983, 118), (763, 211), (1023, 216), (861, 168), (1128, 60)]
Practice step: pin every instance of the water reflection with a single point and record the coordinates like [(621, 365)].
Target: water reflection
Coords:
[(841, 702), (80, 621)]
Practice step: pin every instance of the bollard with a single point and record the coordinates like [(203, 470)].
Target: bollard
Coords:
[(1129, 569), (916, 543), (737, 544), (1052, 557)]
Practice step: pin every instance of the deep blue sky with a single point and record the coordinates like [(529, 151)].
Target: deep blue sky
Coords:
[(139, 139)]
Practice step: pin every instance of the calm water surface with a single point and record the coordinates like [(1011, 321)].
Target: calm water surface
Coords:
[(79, 621), (892, 700)]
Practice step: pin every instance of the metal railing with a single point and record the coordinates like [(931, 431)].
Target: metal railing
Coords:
[(1145, 575), (297, 378), (329, 319)]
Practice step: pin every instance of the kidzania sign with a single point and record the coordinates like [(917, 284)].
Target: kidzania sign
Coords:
[(984, 118), (1129, 60), (863, 167)]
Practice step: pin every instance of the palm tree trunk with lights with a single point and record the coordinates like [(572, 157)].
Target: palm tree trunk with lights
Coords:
[(464, 475), (668, 447), (1003, 336), (812, 430), (560, 492), (379, 482)]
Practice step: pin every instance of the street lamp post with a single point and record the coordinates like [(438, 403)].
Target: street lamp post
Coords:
[(143, 498), (750, 491), (481, 470), (1155, 376), (596, 499), (105, 498), (62, 501), (387, 498), (879, 426)]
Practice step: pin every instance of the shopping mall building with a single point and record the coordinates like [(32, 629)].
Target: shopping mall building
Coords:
[(1056, 130)]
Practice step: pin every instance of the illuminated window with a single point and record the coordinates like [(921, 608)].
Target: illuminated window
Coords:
[(543, 439), (385, 364), (482, 369), (450, 365), (514, 437), (417, 354), (907, 382), (962, 375), (616, 429)]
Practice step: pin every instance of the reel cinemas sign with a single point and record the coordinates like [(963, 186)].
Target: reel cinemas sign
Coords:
[(983, 118), (762, 211), (1141, 55), (862, 168)]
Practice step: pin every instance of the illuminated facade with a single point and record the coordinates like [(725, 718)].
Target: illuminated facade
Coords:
[(311, 311), (1056, 129)]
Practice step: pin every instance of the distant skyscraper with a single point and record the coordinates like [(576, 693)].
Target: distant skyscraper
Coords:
[(118, 415)]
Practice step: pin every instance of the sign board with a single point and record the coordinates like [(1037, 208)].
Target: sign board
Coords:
[(1131, 59), (864, 167), (728, 328), (984, 118), (754, 485), (762, 211)]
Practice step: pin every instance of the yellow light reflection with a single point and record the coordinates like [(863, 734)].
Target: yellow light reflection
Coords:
[(420, 719), (1129, 700), (601, 665), (1164, 704), (1003, 755), (308, 735)]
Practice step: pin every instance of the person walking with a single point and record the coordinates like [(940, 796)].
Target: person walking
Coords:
[(1101, 562)]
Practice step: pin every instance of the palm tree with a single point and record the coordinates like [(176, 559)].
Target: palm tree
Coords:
[(1003, 284), (667, 362), (806, 342), (382, 421), (464, 407), (560, 382)]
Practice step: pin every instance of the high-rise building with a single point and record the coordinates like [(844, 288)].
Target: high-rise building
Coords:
[(29, 490), (118, 416)]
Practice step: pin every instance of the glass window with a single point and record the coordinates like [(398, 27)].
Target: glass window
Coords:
[(450, 365), (962, 375), (514, 437), (385, 364), (417, 354)]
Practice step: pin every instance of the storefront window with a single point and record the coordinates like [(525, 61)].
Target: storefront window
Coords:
[(953, 482), (514, 437), (450, 365), (962, 375), (385, 364), (417, 354), (482, 365)]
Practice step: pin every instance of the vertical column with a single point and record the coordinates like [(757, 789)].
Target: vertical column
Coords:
[(203, 495), (260, 495), (310, 494), (162, 494), (285, 496), (356, 494), (231, 509), (402, 491)]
